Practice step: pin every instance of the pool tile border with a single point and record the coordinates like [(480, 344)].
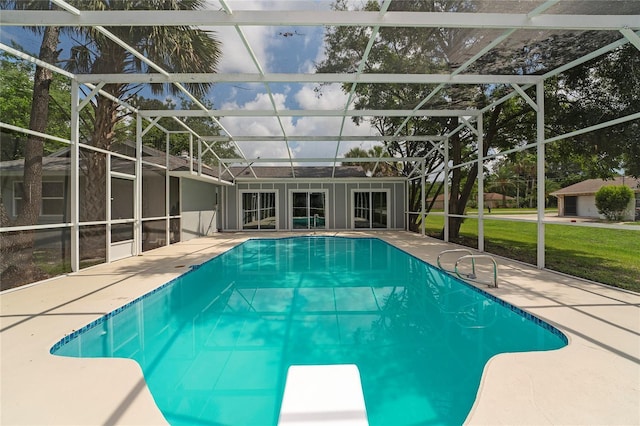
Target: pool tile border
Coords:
[(75, 333)]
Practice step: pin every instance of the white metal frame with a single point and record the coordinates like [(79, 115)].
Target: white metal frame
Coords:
[(537, 19)]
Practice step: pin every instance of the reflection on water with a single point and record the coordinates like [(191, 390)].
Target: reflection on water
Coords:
[(216, 344)]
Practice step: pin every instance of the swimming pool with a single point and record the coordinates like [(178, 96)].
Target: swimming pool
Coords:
[(215, 343)]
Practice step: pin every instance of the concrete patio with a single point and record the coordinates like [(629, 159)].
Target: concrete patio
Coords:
[(594, 380)]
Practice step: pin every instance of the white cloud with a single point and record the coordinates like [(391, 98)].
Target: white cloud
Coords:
[(262, 40), (266, 43), (333, 99)]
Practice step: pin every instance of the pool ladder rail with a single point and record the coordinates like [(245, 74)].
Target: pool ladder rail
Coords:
[(473, 257)]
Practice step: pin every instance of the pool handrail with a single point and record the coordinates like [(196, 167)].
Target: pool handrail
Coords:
[(473, 257), (453, 271)]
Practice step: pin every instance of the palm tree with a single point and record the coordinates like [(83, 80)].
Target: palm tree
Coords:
[(176, 49), (384, 168), (500, 181)]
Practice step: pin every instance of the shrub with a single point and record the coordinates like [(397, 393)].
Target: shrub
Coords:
[(612, 201)]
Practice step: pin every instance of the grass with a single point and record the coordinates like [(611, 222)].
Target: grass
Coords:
[(609, 256)]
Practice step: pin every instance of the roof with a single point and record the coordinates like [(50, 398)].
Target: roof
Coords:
[(591, 186), (59, 163), (494, 196), (488, 196), (314, 172)]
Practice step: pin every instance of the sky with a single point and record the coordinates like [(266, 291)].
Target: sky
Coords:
[(278, 50), (281, 50)]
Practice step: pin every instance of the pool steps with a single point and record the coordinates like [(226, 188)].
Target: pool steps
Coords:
[(473, 257)]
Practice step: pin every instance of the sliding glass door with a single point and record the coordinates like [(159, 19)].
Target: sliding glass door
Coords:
[(370, 209), (259, 210), (308, 210)]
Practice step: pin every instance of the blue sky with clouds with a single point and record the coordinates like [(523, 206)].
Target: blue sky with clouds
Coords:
[(278, 50), (281, 50)]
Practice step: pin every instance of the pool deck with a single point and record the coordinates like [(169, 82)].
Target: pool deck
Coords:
[(594, 380)]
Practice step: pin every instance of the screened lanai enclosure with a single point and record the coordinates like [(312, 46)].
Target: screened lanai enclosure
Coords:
[(166, 121)]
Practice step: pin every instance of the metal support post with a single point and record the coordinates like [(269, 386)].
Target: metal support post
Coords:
[(480, 185), (446, 190), (422, 201), (75, 177), (137, 193), (540, 172), (167, 192)]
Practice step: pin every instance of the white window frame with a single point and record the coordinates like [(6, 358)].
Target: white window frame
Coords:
[(241, 211), (352, 219), (309, 191), (42, 201)]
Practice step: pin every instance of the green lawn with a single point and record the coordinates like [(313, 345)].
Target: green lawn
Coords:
[(609, 256)]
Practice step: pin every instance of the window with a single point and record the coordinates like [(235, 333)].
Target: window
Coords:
[(259, 210), (53, 203), (370, 209)]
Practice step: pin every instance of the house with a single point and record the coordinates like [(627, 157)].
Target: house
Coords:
[(175, 206), (579, 199), (312, 198), (491, 200), (182, 199), (494, 200)]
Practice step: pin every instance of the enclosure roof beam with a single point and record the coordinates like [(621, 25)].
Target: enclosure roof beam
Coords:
[(318, 160), (339, 78), (329, 138), (319, 18), (631, 36), (312, 113)]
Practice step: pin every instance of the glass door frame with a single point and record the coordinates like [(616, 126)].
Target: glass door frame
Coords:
[(309, 191), (119, 246), (370, 191), (258, 191)]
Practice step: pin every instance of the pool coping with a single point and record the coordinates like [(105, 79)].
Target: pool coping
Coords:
[(594, 380)]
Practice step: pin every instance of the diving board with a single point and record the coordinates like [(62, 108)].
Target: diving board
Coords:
[(323, 395)]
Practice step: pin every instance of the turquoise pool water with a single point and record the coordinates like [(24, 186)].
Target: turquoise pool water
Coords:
[(215, 343)]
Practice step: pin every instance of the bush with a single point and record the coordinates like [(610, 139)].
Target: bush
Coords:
[(612, 201)]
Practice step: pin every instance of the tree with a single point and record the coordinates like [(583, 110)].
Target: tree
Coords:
[(384, 168), (501, 181), (16, 92), (600, 90), (17, 248), (612, 201), (420, 50), (508, 125), (203, 126), (176, 49)]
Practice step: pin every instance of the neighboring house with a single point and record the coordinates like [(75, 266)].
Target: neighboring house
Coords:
[(494, 200), (491, 200), (580, 199)]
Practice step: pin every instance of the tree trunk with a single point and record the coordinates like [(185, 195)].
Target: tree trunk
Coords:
[(94, 203), (456, 178), (18, 266), (460, 197)]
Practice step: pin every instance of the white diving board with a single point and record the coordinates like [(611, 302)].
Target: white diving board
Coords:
[(323, 395)]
